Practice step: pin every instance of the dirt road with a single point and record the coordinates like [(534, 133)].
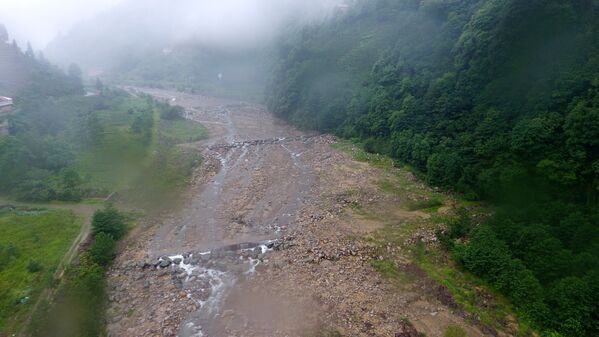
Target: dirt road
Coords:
[(265, 243)]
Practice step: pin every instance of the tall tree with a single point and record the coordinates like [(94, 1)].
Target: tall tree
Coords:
[(3, 33)]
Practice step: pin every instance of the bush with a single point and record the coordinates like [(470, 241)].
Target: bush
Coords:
[(486, 256), (109, 221), (102, 250), (170, 112), (34, 266)]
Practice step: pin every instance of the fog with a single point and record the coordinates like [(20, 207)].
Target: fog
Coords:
[(40, 21), (94, 33)]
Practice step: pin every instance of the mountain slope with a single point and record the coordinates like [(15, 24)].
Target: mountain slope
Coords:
[(496, 99)]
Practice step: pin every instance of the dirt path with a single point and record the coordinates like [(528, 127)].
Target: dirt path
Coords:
[(86, 211), (263, 245)]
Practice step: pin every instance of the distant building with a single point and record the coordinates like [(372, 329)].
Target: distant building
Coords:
[(5, 109), (343, 7), (5, 104)]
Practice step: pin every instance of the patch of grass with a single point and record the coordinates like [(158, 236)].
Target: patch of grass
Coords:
[(432, 203), (474, 295), (385, 267), (389, 187), (183, 130), (140, 167), (33, 243), (358, 153), (454, 331)]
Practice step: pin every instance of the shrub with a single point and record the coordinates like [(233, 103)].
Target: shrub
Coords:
[(460, 227), (486, 256), (109, 221), (102, 250), (171, 112), (34, 266)]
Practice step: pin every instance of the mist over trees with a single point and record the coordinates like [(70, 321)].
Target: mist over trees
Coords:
[(23, 70), (185, 43)]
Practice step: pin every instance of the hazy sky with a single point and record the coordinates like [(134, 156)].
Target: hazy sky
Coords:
[(39, 21)]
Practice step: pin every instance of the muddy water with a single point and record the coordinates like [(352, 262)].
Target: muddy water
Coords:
[(223, 230)]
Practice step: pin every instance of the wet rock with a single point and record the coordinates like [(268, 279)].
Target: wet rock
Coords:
[(178, 283), (164, 262)]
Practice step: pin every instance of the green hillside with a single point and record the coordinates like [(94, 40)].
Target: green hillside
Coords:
[(495, 99)]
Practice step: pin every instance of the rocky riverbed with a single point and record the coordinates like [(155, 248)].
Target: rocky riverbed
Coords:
[(270, 243)]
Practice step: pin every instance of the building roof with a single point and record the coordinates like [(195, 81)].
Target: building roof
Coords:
[(5, 101)]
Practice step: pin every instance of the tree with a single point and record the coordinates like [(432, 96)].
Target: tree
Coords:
[(485, 255), (3, 34), (109, 221), (102, 249), (571, 306), (74, 71), (95, 130), (99, 85), (29, 51)]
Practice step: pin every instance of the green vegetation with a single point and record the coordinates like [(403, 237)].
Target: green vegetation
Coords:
[(66, 146), (80, 147), (109, 221), (454, 331), (494, 99), (79, 305), (387, 268), (32, 244), (183, 131)]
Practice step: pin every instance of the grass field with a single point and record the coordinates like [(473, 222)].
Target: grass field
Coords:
[(32, 244), (138, 165), (117, 161), (183, 131)]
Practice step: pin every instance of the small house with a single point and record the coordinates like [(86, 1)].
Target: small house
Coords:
[(5, 104)]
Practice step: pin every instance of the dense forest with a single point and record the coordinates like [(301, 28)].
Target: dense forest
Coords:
[(495, 99)]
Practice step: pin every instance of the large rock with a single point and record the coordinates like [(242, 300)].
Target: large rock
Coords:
[(165, 262)]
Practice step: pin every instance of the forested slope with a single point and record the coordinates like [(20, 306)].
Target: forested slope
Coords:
[(64, 145), (496, 99), (25, 73)]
